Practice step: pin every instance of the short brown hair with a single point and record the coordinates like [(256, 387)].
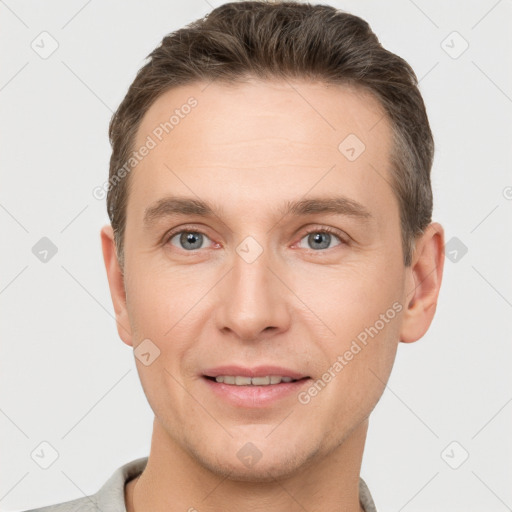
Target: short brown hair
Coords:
[(287, 39)]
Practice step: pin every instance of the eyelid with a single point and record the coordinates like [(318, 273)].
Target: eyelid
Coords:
[(341, 235), (184, 228)]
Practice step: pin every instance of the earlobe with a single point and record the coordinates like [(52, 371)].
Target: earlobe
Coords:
[(116, 284), (423, 283)]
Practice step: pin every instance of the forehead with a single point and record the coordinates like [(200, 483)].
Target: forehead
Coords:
[(224, 112), (263, 139)]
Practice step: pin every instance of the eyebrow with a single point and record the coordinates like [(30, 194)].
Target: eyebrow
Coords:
[(181, 206)]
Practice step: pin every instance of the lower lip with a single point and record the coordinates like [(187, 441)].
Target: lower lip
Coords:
[(255, 396)]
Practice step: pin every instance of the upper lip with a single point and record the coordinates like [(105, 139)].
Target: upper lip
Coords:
[(256, 371)]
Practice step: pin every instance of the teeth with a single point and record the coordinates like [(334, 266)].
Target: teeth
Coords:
[(261, 381), (254, 381)]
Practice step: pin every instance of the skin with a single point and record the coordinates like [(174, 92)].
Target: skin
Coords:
[(250, 147)]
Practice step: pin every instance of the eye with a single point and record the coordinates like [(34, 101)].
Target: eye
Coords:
[(322, 238), (318, 238), (188, 240)]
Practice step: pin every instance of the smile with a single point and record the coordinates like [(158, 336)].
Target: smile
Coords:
[(239, 380)]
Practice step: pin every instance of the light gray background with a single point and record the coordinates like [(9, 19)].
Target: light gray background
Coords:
[(66, 377)]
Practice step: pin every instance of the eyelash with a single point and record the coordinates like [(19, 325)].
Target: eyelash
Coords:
[(323, 229)]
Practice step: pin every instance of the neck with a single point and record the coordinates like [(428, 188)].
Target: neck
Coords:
[(173, 480)]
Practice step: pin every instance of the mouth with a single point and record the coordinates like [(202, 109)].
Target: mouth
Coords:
[(253, 388), (263, 375), (240, 380)]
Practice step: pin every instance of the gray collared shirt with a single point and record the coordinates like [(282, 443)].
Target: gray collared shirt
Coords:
[(110, 498)]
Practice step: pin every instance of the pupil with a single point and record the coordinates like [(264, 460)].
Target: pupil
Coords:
[(317, 238), (191, 238)]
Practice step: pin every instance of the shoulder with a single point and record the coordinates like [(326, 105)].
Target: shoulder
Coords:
[(85, 504), (109, 498), (365, 497)]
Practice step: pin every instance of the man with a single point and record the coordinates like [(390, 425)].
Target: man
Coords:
[(270, 245)]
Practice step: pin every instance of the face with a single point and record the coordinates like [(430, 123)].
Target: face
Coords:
[(317, 292)]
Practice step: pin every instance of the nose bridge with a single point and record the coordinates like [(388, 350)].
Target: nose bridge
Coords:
[(253, 298)]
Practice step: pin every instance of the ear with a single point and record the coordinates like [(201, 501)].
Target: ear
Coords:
[(116, 284), (423, 283)]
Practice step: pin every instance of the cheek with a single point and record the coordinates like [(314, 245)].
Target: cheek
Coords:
[(362, 308), (349, 298), (158, 300), (168, 308), (360, 360)]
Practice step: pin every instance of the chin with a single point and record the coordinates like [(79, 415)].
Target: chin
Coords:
[(262, 475), (262, 472), (276, 465)]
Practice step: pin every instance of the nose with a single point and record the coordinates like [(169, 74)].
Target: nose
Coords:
[(253, 299)]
